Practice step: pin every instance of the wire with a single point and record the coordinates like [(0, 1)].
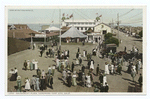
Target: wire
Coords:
[(81, 16), (83, 13), (133, 16)]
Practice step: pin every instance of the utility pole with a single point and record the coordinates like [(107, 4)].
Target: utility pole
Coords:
[(118, 24), (60, 29), (112, 26)]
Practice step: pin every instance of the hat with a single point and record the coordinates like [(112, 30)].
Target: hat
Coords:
[(19, 77)]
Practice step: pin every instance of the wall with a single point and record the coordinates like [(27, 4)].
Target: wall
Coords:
[(15, 45)]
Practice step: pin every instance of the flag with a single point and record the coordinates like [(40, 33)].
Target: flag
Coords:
[(71, 15), (63, 14), (100, 16), (67, 14), (52, 21), (96, 13)]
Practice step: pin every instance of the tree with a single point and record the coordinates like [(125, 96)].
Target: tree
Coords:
[(97, 18), (63, 18), (89, 30), (141, 34), (108, 35), (112, 40)]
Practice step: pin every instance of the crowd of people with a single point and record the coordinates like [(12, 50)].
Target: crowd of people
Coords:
[(43, 79)]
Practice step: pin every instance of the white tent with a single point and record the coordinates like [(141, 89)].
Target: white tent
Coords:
[(53, 29), (73, 33)]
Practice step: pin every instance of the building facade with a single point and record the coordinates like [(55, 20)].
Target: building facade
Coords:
[(103, 28), (81, 25)]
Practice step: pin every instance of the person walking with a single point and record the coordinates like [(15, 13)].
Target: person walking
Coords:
[(83, 68), (69, 79), (42, 83), (106, 87), (106, 68), (25, 65), (19, 86), (83, 79), (74, 76), (33, 82), (133, 74), (97, 69), (27, 84), (51, 81), (140, 80), (37, 83), (72, 66), (101, 78)]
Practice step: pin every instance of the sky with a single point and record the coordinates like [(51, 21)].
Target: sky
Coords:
[(131, 16)]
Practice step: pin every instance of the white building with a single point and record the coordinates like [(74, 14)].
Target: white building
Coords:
[(81, 25), (103, 28)]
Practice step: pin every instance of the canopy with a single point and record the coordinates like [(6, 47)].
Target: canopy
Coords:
[(73, 33), (53, 29)]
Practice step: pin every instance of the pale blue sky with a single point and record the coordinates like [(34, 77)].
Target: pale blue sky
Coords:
[(46, 16)]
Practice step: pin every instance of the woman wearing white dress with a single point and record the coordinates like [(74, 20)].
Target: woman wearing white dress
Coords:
[(88, 81), (57, 63), (112, 68), (84, 53), (35, 64), (106, 68), (134, 67), (92, 65), (74, 76), (77, 62), (104, 80), (43, 73), (27, 84)]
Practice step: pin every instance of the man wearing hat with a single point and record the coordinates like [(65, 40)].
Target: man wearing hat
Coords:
[(25, 65), (97, 69), (69, 79)]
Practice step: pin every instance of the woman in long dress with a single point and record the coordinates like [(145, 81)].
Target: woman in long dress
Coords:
[(104, 80), (59, 69), (88, 81), (112, 69), (106, 68), (74, 76), (43, 73), (12, 72), (77, 61), (92, 65), (84, 53), (57, 63), (36, 66), (27, 84), (19, 84), (28, 65), (31, 66)]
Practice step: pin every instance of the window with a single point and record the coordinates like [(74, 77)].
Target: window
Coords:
[(78, 28), (81, 28), (85, 28)]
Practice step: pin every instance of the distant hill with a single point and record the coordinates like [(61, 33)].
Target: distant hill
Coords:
[(15, 45)]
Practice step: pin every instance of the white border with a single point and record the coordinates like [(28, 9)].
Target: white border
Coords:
[(80, 7)]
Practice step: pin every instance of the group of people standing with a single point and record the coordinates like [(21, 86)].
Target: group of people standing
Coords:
[(30, 65)]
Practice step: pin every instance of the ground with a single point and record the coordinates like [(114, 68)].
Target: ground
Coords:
[(118, 83)]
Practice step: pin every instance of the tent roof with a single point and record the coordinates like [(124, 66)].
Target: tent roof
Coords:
[(53, 28), (73, 33)]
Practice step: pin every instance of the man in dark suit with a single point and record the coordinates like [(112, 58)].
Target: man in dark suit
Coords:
[(69, 80), (72, 66), (80, 61), (42, 83), (51, 81), (106, 87), (101, 78), (83, 68), (97, 69)]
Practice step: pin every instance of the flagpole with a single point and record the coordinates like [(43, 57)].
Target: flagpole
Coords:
[(60, 28)]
